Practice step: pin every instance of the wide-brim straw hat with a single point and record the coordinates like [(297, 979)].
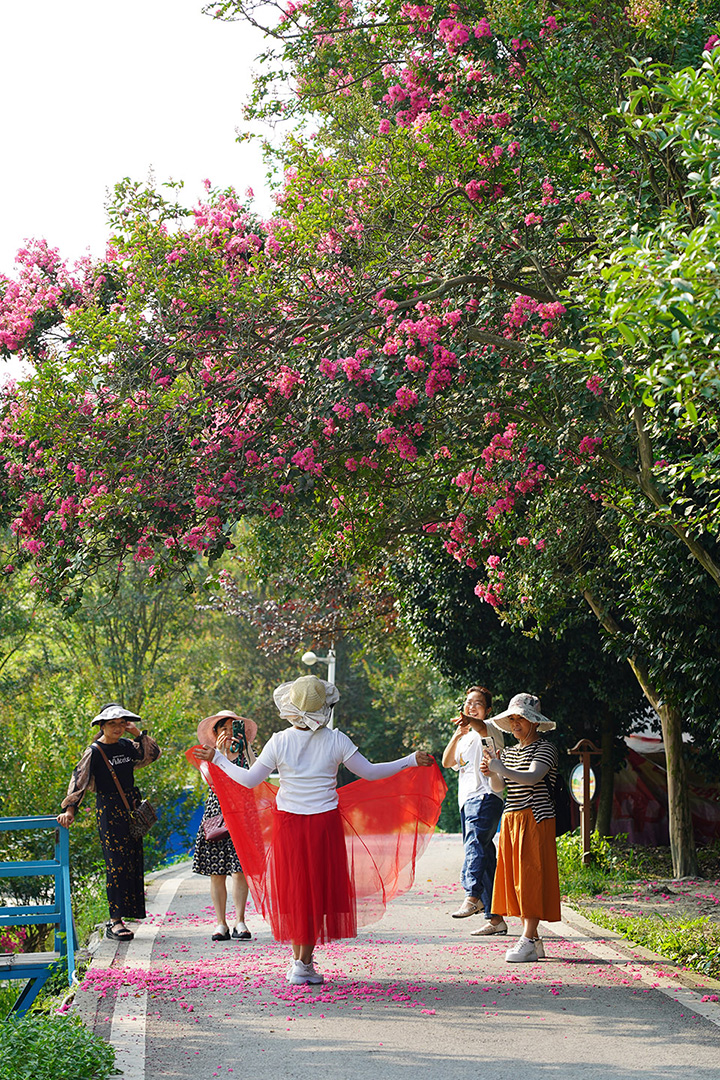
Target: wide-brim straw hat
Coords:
[(114, 711), (306, 700), (206, 735), (526, 705)]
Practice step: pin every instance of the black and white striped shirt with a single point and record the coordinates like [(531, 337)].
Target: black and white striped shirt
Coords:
[(537, 797)]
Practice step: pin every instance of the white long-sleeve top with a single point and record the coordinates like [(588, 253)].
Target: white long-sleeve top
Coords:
[(307, 763)]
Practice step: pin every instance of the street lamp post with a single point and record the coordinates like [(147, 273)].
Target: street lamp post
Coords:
[(310, 658)]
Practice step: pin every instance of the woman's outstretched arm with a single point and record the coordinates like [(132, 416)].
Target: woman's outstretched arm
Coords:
[(248, 778), (366, 770)]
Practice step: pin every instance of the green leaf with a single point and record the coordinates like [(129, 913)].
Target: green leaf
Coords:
[(680, 316)]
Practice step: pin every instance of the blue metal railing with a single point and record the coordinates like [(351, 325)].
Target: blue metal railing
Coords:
[(35, 968)]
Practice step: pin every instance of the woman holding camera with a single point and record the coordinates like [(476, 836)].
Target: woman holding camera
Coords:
[(480, 808), (215, 855), (123, 853), (526, 880)]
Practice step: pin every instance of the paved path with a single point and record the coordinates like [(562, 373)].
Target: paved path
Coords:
[(414, 996)]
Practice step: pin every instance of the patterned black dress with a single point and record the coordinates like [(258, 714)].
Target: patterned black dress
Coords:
[(216, 856), (124, 869)]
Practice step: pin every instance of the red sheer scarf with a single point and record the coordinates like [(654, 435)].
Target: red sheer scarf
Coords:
[(386, 824)]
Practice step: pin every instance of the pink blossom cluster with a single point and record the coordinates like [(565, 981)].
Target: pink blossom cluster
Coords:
[(453, 33), (42, 285), (461, 540), (589, 445), (524, 307)]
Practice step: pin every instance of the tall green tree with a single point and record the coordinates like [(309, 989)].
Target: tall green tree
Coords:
[(589, 691)]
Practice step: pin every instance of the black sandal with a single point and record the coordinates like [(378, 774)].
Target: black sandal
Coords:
[(221, 937), (123, 934)]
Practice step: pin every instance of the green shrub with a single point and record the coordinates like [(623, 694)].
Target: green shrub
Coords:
[(89, 903), (610, 865), (9, 990), (53, 1048)]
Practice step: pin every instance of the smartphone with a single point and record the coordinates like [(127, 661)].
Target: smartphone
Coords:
[(489, 745), (237, 743)]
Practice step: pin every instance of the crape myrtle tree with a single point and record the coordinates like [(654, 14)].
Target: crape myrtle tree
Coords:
[(432, 332), (215, 366)]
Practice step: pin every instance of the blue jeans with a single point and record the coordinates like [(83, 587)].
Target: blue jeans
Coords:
[(480, 816)]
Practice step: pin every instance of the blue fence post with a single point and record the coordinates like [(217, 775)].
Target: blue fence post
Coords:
[(35, 968)]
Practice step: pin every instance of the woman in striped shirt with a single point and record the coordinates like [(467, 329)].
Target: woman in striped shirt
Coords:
[(526, 879)]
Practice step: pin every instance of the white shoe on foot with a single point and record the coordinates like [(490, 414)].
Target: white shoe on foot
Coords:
[(539, 947), (524, 952), (313, 976), (488, 929), (468, 907), (304, 973), (296, 973)]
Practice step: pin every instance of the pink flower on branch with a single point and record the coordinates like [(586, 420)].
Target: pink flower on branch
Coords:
[(589, 445)]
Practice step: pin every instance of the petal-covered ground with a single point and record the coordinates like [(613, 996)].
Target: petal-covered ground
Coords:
[(415, 995)]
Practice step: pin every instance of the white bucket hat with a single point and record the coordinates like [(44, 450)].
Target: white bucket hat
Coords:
[(306, 701), (114, 711), (526, 705)]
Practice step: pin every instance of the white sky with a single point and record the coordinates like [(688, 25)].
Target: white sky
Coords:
[(96, 90)]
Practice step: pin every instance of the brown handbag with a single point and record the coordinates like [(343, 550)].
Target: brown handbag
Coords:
[(215, 828), (143, 817)]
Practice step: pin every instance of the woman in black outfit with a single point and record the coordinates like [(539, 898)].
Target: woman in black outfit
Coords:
[(123, 854)]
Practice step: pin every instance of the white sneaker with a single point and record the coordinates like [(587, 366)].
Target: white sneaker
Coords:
[(301, 973), (290, 970), (539, 947), (522, 953), (311, 975)]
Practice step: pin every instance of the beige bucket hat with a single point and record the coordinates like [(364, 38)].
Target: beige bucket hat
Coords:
[(307, 700), (526, 705)]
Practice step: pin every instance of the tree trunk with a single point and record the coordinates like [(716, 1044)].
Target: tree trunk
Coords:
[(682, 839), (607, 776)]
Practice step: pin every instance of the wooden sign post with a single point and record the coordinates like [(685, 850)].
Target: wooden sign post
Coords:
[(585, 749)]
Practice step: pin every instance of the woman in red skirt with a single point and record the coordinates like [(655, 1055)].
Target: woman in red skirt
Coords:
[(319, 861)]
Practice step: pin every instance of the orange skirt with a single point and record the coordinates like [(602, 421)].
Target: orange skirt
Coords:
[(526, 879)]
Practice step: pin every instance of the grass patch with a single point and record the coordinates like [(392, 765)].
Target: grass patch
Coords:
[(53, 1048), (694, 943)]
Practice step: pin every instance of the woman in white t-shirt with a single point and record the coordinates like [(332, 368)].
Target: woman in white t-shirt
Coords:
[(296, 856), (480, 808)]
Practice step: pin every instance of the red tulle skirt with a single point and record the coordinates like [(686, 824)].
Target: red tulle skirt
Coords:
[(309, 879), (317, 877)]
